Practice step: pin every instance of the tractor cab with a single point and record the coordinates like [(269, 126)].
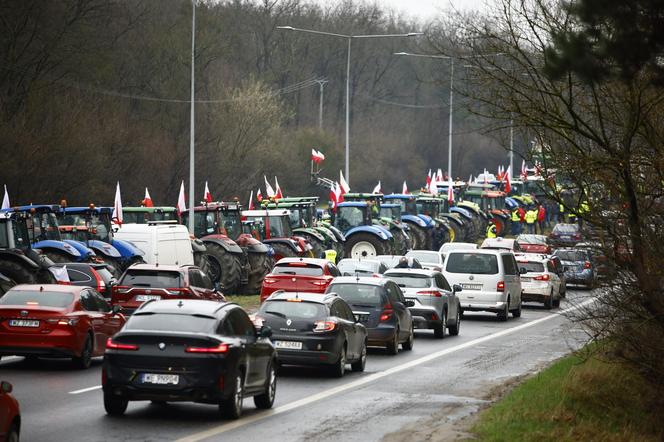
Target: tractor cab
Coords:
[(86, 223), (218, 218), (352, 214), (143, 215), (13, 231), (277, 232)]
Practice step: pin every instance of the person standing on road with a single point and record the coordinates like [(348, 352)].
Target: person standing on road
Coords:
[(541, 218), (491, 231), (531, 219), (516, 222)]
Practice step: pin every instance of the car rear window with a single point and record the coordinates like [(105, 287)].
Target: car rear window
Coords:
[(477, 263), (352, 267), (565, 228), (297, 269), (532, 267), (410, 281), (151, 278), (432, 257), (571, 255), (358, 294), (289, 309), (531, 239), (43, 299), (105, 275), (170, 322)]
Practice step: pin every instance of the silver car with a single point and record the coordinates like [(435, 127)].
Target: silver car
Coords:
[(436, 305)]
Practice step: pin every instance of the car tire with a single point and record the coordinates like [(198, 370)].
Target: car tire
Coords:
[(114, 405), (339, 369), (362, 362), (504, 314), (231, 408), (265, 400), (392, 347), (517, 312), (548, 302), (454, 329), (439, 329), (408, 344), (556, 303), (85, 359)]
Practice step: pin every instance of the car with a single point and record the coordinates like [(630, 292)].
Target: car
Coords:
[(530, 243), (603, 266), (539, 282), (490, 280), (57, 321), (449, 246), (145, 282), (436, 304), (560, 271), (565, 235), (379, 304), (578, 266), (10, 414), (88, 274), (314, 329), (501, 243), (189, 350), (392, 261), (429, 259), (352, 266), (299, 274)]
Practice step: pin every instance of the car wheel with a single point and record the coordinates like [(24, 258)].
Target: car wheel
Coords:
[(339, 369), (548, 302), (392, 347), (517, 313), (439, 329), (408, 345), (556, 302), (85, 359), (502, 315), (362, 362), (265, 400), (454, 329), (231, 408), (114, 405)]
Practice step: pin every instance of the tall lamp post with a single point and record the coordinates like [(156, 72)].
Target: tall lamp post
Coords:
[(349, 38), (192, 126)]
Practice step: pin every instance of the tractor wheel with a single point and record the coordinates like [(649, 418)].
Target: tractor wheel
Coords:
[(318, 248), (282, 251), (260, 266), (418, 237), (365, 245), (202, 261), (16, 273), (224, 268)]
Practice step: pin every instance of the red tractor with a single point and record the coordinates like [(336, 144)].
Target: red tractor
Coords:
[(273, 227)]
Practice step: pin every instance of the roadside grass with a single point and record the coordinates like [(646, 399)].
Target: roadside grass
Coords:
[(250, 303), (576, 399)]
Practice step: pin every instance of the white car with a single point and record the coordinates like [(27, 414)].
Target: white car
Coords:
[(362, 267), (489, 278), (539, 282), (429, 259), (449, 246)]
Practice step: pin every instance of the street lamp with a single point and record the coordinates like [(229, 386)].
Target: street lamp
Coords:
[(349, 37), (192, 126)]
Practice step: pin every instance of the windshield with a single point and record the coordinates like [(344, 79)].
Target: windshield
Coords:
[(349, 217), (571, 255), (142, 217), (43, 299), (75, 235), (410, 281), (289, 309), (170, 322), (428, 208), (150, 278), (358, 294), (425, 256), (478, 263), (532, 267), (297, 269), (98, 225), (232, 223), (43, 226), (566, 228), (296, 220), (352, 266)]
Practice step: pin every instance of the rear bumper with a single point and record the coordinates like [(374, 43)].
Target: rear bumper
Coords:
[(60, 345), (535, 292), (316, 350), (425, 317), (480, 306), (382, 334), (586, 277)]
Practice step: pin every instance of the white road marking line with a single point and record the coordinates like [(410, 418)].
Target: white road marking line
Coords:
[(85, 390), (368, 379)]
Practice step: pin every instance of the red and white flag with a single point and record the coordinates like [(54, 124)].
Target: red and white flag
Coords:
[(439, 176), (250, 206), (450, 192), (317, 156), (345, 188), (428, 179), (433, 186), (147, 200), (404, 189), (259, 195), (117, 206), (5, 199), (268, 188), (181, 206), (377, 189), (277, 193), (524, 170), (208, 196), (334, 196), (508, 181)]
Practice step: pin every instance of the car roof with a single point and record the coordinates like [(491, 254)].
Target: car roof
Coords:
[(433, 252), (481, 251), (60, 288), (423, 272), (165, 268), (366, 280), (319, 298), (314, 261), (184, 307), (359, 260), (539, 257)]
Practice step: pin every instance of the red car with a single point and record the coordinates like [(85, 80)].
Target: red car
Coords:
[(144, 282), (10, 415), (56, 321), (530, 243), (299, 275)]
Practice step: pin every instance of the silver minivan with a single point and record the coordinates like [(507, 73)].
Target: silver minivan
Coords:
[(489, 278)]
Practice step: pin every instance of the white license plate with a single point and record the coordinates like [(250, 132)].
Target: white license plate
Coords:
[(161, 379), (526, 279), (143, 298), (291, 345), (471, 286), (23, 323)]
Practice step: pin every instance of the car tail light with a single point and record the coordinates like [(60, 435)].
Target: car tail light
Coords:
[(377, 275), (257, 320), (433, 293), (587, 265), (324, 326), (320, 283), (221, 348), (542, 278), (179, 292), (121, 289), (269, 281), (112, 345), (500, 287), (386, 314), (63, 321), (101, 285)]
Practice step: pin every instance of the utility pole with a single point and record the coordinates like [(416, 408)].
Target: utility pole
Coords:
[(192, 127), (321, 84)]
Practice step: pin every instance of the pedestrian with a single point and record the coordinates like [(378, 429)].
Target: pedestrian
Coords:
[(515, 221), (491, 231), (541, 217), (561, 213), (531, 219), (522, 219), (403, 263)]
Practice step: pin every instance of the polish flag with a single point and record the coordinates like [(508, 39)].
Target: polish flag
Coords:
[(277, 193), (433, 188), (181, 206), (428, 179), (377, 188), (439, 176), (208, 196), (508, 181), (450, 192), (317, 156), (340, 193), (147, 201), (345, 188), (334, 196), (250, 206), (404, 189), (259, 195), (116, 217), (268, 188), (524, 170), (5, 199)]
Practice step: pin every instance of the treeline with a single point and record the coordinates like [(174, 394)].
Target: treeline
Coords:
[(97, 91)]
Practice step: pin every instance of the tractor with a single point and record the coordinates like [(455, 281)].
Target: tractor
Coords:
[(274, 228), (141, 215), (364, 239), (421, 226), (438, 210)]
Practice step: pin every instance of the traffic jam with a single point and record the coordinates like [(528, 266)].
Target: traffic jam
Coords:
[(367, 274)]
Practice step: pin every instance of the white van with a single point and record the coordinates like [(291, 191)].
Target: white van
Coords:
[(167, 244), (489, 279)]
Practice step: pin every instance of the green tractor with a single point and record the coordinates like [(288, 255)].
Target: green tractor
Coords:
[(143, 215)]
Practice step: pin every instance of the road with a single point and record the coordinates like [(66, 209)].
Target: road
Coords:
[(447, 379)]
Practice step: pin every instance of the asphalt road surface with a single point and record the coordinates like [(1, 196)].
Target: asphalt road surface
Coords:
[(445, 378)]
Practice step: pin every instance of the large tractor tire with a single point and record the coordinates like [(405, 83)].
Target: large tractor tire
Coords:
[(365, 245), (282, 251), (17, 274), (202, 261), (318, 248), (225, 268), (418, 237), (261, 264)]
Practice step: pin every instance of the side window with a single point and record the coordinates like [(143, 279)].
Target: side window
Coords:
[(334, 310), (102, 304), (334, 271), (88, 301), (508, 264), (77, 277), (225, 327), (392, 294), (550, 267), (195, 278), (242, 326), (344, 311), (207, 282), (398, 291), (442, 283)]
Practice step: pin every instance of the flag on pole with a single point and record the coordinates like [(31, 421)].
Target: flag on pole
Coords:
[(404, 189), (334, 195), (439, 176), (147, 200), (181, 206), (208, 196), (450, 192), (508, 181), (117, 206), (470, 179), (268, 188), (259, 195), (317, 156), (345, 188), (277, 193), (5, 199), (524, 170), (433, 188), (377, 189), (250, 206), (429, 179)]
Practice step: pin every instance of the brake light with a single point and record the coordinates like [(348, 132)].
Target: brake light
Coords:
[(63, 321), (112, 345), (319, 283), (121, 289), (433, 293), (500, 287), (587, 265), (324, 326), (221, 348), (269, 281), (541, 278), (386, 314), (577, 236)]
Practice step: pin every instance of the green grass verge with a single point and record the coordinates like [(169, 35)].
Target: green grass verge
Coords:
[(248, 302), (576, 400)]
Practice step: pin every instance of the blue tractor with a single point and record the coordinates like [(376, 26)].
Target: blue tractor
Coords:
[(421, 226), (364, 239)]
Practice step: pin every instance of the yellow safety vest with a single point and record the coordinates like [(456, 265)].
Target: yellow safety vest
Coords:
[(531, 216), (491, 231), (331, 255), (515, 216)]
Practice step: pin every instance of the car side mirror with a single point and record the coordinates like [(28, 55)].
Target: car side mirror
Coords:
[(523, 271), (265, 331), (6, 387), (409, 303), (456, 288), (116, 309)]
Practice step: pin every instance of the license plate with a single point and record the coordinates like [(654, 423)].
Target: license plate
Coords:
[(23, 323), (362, 318), (471, 286), (143, 298), (160, 379), (526, 279), (291, 345)]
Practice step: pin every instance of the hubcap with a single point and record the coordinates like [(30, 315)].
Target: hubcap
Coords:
[(238, 393), (273, 384), (363, 249)]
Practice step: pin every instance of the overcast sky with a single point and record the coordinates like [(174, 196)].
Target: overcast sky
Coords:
[(428, 9)]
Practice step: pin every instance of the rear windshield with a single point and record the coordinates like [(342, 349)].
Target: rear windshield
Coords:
[(305, 270), (170, 322), (105, 275), (151, 278), (531, 239), (44, 299), (532, 267), (431, 257), (571, 255), (565, 228), (353, 267), (411, 281), (477, 263), (289, 309), (358, 294)]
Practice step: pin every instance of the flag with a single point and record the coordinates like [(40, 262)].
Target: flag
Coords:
[(524, 170), (433, 188), (439, 176), (181, 206), (147, 201), (5, 199), (508, 181), (429, 179), (208, 196), (259, 195), (470, 179), (268, 188), (277, 193), (404, 189), (317, 156), (60, 274), (250, 206), (377, 188), (345, 188), (340, 193), (334, 195), (117, 207), (450, 192)]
